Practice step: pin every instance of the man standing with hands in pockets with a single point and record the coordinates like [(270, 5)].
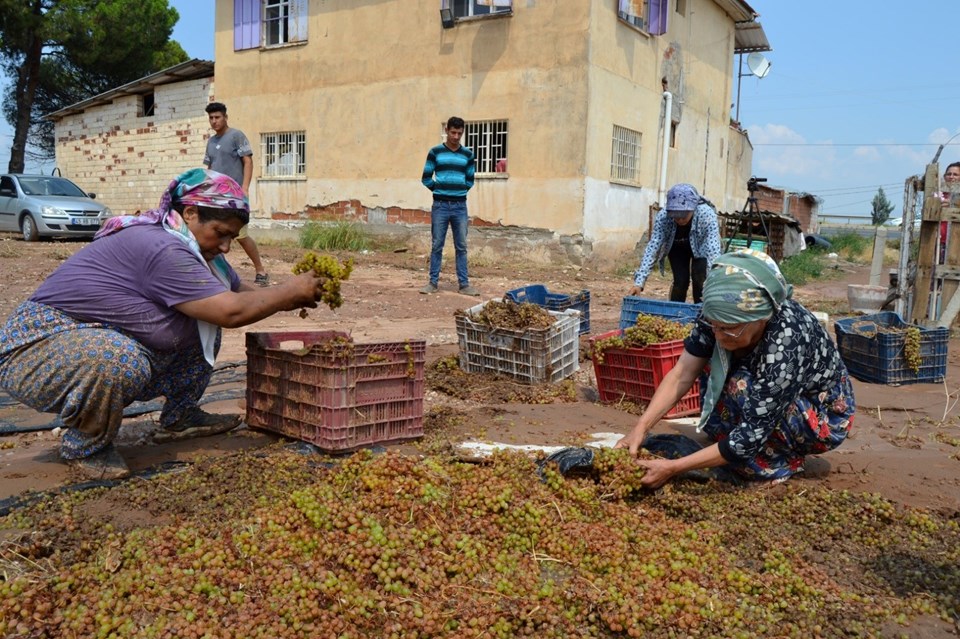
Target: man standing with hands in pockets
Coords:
[(448, 173)]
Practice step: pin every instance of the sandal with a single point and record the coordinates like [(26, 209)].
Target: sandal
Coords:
[(107, 464), (196, 423)]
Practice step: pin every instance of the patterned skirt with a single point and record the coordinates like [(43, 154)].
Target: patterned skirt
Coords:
[(88, 372)]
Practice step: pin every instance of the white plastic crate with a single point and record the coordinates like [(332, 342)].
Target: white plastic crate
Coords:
[(532, 356)]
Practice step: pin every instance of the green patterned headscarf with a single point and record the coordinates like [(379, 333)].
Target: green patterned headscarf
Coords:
[(743, 286)]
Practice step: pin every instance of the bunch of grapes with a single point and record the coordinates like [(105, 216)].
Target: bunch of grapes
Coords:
[(326, 266), (911, 349), (508, 314)]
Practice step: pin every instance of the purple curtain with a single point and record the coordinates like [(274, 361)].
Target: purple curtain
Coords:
[(246, 24), (659, 10)]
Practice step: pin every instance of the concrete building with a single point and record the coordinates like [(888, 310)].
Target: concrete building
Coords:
[(598, 106), (128, 143)]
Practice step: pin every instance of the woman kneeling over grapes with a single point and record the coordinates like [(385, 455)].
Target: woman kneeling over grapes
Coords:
[(137, 314), (778, 390)]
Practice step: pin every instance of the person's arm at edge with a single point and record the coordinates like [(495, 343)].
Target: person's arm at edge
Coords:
[(247, 172), (649, 253), (428, 168), (248, 305), (713, 228), (675, 385), (471, 171)]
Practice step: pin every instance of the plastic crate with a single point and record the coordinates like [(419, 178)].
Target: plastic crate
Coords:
[(635, 374), (322, 388), (676, 311), (876, 357), (539, 295), (756, 245), (531, 356)]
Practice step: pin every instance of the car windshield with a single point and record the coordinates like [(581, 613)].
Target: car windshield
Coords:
[(50, 186)]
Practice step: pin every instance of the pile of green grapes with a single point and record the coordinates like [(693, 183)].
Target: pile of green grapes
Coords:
[(272, 544), (328, 267), (649, 329)]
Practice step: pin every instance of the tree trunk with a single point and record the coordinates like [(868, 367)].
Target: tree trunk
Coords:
[(28, 76)]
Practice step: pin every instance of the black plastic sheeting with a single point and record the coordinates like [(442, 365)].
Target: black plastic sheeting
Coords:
[(573, 461), (225, 373)]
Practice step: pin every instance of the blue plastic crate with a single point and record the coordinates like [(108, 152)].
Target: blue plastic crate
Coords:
[(877, 357), (676, 311), (539, 295)]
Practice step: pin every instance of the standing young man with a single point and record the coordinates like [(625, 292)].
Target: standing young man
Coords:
[(448, 173), (229, 152)]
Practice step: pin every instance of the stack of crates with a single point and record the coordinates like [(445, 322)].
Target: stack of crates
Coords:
[(530, 356), (322, 388), (539, 295)]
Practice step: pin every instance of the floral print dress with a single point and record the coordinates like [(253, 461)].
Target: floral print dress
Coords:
[(790, 397)]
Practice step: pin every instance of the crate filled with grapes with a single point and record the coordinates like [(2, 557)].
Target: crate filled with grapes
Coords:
[(883, 349), (524, 341), (630, 363)]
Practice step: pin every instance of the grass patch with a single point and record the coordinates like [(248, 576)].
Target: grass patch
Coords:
[(803, 267), (338, 236), (852, 247)]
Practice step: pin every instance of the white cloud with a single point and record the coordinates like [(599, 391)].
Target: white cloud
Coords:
[(781, 151)]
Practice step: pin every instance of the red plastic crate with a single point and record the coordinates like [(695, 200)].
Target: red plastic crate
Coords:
[(322, 388), (635, 373)]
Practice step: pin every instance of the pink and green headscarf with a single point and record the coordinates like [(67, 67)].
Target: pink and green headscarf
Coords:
[(196, 187)]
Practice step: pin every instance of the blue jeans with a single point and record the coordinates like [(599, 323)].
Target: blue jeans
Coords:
[(453, 214)]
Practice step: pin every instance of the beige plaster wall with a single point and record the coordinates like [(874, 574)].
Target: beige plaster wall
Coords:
[(128, 160), (561, 73), (371, 116)]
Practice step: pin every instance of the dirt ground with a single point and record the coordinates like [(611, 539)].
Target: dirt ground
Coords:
[(905, 443)]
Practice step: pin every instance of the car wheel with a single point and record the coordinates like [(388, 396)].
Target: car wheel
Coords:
[(29, 229)]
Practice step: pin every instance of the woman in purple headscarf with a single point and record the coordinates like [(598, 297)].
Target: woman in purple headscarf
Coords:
[(685, 232), (136, 315)]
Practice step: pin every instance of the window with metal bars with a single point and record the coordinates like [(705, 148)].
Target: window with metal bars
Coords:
[(488, 140), (625, 155), (283, 154)]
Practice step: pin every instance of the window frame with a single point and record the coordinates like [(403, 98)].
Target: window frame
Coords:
[(270, 149), (489, 140), (645, 23), (620, 139), (469, 9)]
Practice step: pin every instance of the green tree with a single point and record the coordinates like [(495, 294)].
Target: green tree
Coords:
[(881, 207), (58, 52)]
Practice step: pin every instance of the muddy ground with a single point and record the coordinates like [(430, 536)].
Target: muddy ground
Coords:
[(905, 443)]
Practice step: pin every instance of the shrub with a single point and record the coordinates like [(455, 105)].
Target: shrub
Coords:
[(338, 236)]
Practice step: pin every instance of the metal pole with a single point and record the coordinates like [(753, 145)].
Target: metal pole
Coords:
[(739, 82)]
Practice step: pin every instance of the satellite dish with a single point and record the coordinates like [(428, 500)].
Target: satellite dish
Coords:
[(758, 64)]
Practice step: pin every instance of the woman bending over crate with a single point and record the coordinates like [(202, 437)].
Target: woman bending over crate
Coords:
[(137, 314), (778, 389)]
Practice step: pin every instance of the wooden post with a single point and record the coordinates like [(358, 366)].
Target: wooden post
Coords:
[(923, 313), (904, 306)]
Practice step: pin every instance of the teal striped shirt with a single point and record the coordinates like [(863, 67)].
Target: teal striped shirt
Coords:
[(449, 174)]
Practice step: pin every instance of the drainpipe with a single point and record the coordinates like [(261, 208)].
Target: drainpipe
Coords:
[(667, 122)]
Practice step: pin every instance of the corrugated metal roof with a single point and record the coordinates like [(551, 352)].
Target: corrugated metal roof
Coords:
[(750, 37), (190, 70)]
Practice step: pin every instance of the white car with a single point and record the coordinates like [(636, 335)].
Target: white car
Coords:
[(47, 206)]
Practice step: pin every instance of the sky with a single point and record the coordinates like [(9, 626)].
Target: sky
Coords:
[(858, 95)]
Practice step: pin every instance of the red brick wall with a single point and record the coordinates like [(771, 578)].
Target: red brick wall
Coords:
[(354, 210)]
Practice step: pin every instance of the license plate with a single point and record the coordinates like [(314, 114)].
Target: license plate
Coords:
[(85, 221)]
